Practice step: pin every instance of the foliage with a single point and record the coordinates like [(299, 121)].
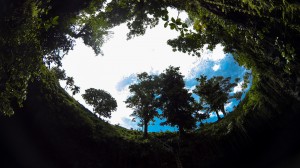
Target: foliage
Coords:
[(176, 100), (33, 33), (144, 99), (215, 92), (262, 35), (20, 51), (176, 24), (138, 14), (258, 34), (103, 103), (201, 116), (59, 73), (70, 84)]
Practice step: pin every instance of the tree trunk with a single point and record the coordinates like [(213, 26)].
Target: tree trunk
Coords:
[(219, 118), (223, 111), (145, 129), (181, 131)]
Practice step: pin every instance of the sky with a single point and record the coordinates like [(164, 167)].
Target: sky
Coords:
[(123, 59)]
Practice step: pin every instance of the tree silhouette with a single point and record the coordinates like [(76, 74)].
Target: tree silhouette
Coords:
[(70, 84), (176, 100), (215, 93), (199, 115), (103, 103), (144, 99)]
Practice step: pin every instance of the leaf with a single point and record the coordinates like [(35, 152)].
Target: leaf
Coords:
[(166, 24), (54, 21), (172, 25), (182, 33), (173, 20), (184, 25), (165, 18), (178, 21)]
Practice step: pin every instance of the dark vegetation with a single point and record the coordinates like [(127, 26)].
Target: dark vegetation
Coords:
[(144, 100), (103, 103), (42, 126)]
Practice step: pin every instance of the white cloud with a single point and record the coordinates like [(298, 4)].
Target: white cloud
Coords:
[(190, 90), (213, 114), (123, 58), (216, 67), (128, 123), (238, 88), (216, 55)]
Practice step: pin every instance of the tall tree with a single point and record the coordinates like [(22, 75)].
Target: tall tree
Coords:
[(260, 35), (103, 103), (144, 99), (177, 102), (215, 92), (199, 112)]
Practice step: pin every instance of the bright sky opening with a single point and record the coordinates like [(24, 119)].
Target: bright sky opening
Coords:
[(123, 59)]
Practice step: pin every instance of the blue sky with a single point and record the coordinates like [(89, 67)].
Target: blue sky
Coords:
[(226, 67), (123, 59)]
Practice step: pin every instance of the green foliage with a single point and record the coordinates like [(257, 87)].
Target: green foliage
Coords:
[(247, 29), (93, 29), (59, 73), (70, 84), (33, 33), (102, 102), (176, 101), (177, 24), (20, 54), (215, 93), (262, 35), (144, 99)]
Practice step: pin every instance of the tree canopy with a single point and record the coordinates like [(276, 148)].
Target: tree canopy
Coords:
[(177, 102), (262, 35), (103, 103), (144, 99), (258, 34), (215, 93)]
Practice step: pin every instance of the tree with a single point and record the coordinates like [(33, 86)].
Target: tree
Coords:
[(59, 73), (215, 93), (70, 84), (144, 99), (103, 103), (199, 115), (260, 34), (176, 100), (33, 33)]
